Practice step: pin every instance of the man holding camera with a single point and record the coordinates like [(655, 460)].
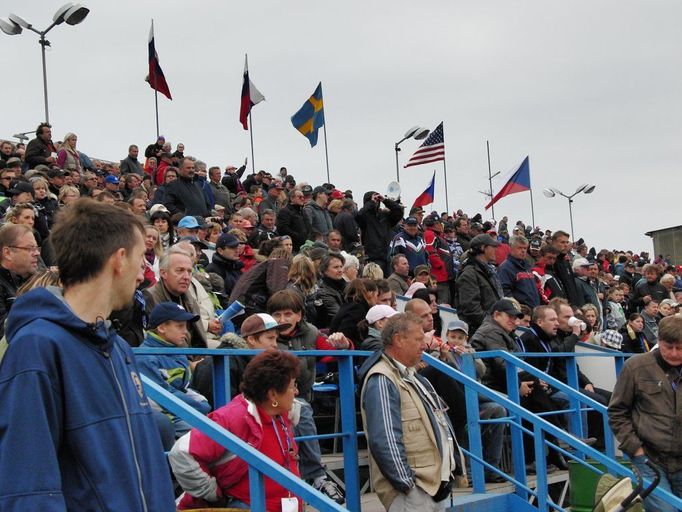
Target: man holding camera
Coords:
[(377, 225)]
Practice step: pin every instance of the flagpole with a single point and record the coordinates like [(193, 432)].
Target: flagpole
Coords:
[(253, 162), (156, 106), (532, 209), (490, 178), (326, 155), (445, 175)]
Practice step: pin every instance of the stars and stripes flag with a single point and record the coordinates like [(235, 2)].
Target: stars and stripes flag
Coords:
[(432, 149)]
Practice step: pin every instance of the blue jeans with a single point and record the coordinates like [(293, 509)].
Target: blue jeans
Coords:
[(492, 433), (671, 482), (310, 463)]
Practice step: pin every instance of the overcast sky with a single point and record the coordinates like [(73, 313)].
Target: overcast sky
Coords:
[(589, 89)]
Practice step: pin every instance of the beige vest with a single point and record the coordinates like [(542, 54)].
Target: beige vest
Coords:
[(419, 439)]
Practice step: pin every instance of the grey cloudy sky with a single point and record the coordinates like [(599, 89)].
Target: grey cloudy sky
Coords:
[(589, 89)]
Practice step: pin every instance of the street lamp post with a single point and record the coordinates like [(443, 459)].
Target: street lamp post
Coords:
[(70, 13), (416, 132), (585, 188)]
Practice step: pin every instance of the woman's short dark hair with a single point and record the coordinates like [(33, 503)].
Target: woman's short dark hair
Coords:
[(272, 369), (634, 316), (87, 234), (286, 299), (327, 260), (358, 288)]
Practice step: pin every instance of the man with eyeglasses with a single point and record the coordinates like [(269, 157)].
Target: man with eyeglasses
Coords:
[(18, 261)]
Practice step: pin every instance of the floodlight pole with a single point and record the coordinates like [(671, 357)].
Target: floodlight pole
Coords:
[(43, 43)]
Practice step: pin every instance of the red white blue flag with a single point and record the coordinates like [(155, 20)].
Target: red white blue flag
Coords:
[(155, 77), (432, 150), (426, 197), (250, 96), (516, 180)]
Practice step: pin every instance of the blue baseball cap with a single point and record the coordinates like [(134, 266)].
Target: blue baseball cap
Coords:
[(227, 240), (459, 325), (111, 179), (165, 311), (188, 222)]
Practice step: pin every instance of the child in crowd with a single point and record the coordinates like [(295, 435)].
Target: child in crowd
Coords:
[(168, 329)]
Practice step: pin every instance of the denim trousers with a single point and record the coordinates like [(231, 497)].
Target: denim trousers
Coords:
[(310, 463), (671, 482)]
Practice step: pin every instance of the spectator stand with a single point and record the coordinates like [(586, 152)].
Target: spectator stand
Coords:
[(522, 497)]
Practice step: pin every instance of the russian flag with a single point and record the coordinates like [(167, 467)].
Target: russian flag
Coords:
[(155, 78), (516, 180), (426, 197), (250, 96)]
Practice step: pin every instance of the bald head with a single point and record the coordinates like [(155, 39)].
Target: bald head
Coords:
[(420, 308)]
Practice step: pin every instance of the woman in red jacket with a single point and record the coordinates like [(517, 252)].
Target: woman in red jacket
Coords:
[(213, 477)]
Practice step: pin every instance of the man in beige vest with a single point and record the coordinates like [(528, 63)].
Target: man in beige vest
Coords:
[(411, 441)]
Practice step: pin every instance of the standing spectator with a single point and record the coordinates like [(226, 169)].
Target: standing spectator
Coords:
[(179, 152), (41, 150), (292, 222), (516, 276), (615, 316), (562, 270), (48, 419), (440, 258), (154, 150), (131, 164), (377, 226), (399, 280), (221, 194), (648, 289), (68, 158), (410, 243), (644, 412), (185, 195), (232, 178), (317, 213), (478, 286), (345, 223), (462, 233), (272, 202), (409, 472), (18, 261), (586, 294)]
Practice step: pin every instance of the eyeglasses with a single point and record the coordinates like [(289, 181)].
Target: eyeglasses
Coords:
[(30, 248)]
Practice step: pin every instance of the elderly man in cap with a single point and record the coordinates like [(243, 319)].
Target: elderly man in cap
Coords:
[(478, 286), (225, 261), (112, 185), (586, 294), (56, 178), (410, 243), (317, 213), (272, 202), (167, 328)]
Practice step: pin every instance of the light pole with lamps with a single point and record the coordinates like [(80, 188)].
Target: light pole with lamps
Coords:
[(585, 188), (70, 13), (417, 133)]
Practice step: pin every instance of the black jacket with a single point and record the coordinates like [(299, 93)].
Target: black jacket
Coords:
[(292, 222), (131, 165), (9, 283), (229, 270), (478, 288), (152, 151), (38, 151), (231, 181), (185, 196), (345, 223), (562, 272), (377, 226), (491, 336), (331, 296), (643, 288), (347, 319)]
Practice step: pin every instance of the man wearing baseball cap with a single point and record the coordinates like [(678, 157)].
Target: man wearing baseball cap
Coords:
[(167, 329), (478, 286), (225, 261), (258, 332)]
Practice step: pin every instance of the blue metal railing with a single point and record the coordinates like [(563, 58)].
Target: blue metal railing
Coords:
[(259, 465), (540, 427)]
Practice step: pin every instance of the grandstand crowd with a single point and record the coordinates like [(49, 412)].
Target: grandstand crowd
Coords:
[(319, 267)]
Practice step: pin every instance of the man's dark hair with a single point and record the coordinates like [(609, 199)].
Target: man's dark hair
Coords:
[(131, 147), (670, 330), (559, 234), (459, 220), (82, 242), (39, 130), (383, 286), (548, 249), (285, 299)]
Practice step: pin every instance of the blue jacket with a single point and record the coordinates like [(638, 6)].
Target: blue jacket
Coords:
[(76, 428), (518, 281), (414, 249), (170, 371)]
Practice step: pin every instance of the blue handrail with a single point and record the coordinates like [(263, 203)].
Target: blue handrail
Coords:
[(258, 464)]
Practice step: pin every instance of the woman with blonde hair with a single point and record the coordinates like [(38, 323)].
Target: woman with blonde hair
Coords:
[(22, 213), (303, 280), (372, 271), (68, 158), (68, 195)]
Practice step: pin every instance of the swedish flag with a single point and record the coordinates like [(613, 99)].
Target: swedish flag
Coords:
[(310, 117)]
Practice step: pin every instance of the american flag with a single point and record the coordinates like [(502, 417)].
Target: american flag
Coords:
[(432, 150)]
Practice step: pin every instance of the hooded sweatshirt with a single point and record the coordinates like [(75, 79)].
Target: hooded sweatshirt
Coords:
[(77, 428)]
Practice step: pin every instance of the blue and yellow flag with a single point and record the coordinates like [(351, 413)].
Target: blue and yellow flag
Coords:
[(310, 117)]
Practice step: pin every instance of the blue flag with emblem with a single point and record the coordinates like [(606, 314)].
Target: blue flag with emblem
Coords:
[(310, 117)]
